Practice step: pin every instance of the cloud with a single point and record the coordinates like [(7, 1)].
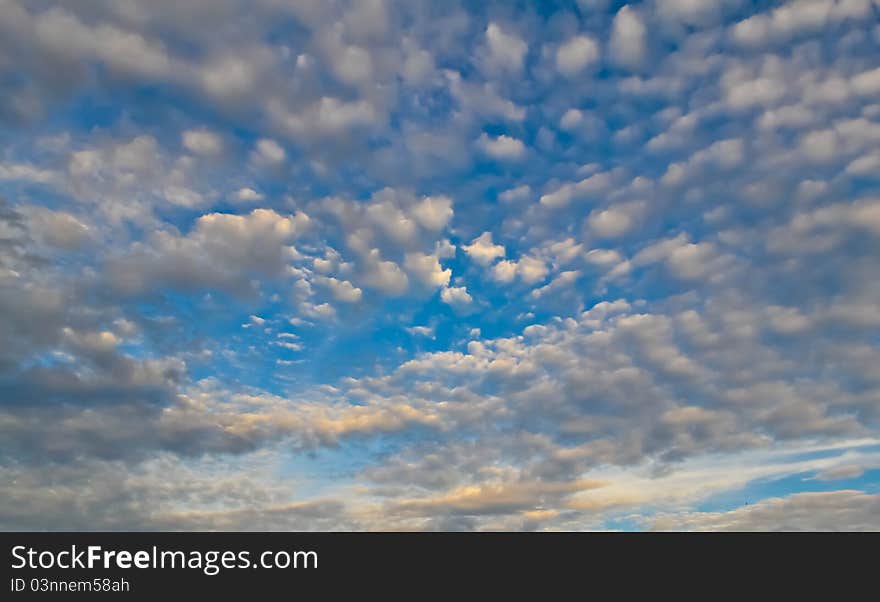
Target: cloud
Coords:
[(385, 275), (268, 152), (843, 510), (503, 147), (343, 290), (491, 498), (327, 116), (25, 172), (483, 100), (248, 195), (627, 46), (574, 55), (564, 194), (427, 269), (506, 51), (222, 251), (529, 269), (456, 296), (666, 293), (797, 17), (127, 53), (616, 220), (483, 250), (518, 193), (202, 142), (433, 213), (59, 228)]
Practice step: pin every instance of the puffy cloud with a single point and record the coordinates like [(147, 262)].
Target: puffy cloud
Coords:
[(248, 195), (589, 186), (385, 275), (519, 193), (125, 52), (797, 17), (433, 212), (483, 250), (203, 142), (867, 82), (722, 155), (576, 54), (269, 152), (506, 51), (20, 171), (59, 228), (684, 259), (628, 45), (327, 116), (457, 296), (558, 284), (483, 100), (223, 250), (616, 220), (691, 12), (529, 269), (427, 269), (343, 290), (503, 147)]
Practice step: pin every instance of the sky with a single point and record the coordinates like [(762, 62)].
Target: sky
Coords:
[(380, 265)]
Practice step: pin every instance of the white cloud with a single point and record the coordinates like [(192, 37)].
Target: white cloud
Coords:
[(248, 195), (866, 165), (59, 228), (503, 147), (223, 250), (722, 155), (844, 510), (529, 269), (327, 116), (269, 152), (482, 100), (561, 282), (343, 290), (424, 331), (353, 65), (571, 119), (820, 146), (433, 212), (576, 54), (797, 17), (691, 12), (564, 194), (518, 193), (506, 50), (457, 296), (123, 52), (25, 172), (384, 275), (483, 250), (427, 269), (628, 45), (616, 220), (867, 83), (203, 142), (684, 259)]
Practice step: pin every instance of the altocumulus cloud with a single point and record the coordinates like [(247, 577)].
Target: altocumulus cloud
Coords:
[(582, 267)]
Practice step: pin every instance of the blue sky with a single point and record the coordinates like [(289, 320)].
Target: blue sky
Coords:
[(415, 265)]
